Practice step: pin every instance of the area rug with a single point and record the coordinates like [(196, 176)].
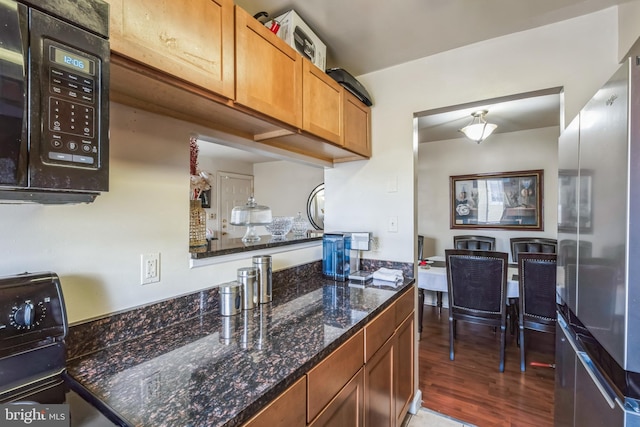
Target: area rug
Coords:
[(428, 418)]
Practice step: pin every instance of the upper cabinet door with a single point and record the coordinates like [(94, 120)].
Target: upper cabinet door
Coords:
[(268, 71), (357, 125), (322, 104), (193, 42)]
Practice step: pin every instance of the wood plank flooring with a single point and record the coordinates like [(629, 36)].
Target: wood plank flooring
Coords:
[(471, 388)]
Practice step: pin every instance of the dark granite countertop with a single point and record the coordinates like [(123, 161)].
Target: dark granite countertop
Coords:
[(220, 371), (226, 246)]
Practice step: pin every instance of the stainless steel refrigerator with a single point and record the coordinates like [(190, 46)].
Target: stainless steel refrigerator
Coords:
[(598, 333)]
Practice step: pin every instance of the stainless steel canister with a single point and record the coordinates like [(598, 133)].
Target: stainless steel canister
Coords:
[(247, 277), (262, 263), (230, 298)]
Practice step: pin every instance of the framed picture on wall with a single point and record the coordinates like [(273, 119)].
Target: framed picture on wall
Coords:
[(504, 200), (205, 198)]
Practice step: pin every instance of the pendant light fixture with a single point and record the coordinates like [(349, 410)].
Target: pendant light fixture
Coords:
[(478, 130)]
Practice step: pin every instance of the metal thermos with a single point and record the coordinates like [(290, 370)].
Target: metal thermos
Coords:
[(262, 264), (247, 277), (230, 298)]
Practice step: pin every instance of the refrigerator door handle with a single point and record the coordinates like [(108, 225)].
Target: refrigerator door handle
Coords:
[(607, 392)]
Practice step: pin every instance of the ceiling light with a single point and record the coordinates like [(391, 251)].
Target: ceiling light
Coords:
[(478, 130)]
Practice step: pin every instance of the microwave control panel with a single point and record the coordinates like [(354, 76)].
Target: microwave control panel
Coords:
[(70, 128)]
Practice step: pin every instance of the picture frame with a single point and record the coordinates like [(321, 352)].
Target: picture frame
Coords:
[(575, 207), (205, 199), (501, 200)]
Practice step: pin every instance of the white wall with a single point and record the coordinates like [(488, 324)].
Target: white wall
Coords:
[(577, 54), (285, 186), (96, 248), (502, 152)]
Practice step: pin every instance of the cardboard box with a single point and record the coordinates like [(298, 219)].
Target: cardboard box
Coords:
[(298, 35)]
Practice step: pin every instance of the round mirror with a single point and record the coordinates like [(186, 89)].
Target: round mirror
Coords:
[(315, 207)]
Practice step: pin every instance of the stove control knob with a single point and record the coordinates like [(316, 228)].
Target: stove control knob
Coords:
[(24, 315)]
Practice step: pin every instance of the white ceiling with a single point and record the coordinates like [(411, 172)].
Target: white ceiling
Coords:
[(368, 35)]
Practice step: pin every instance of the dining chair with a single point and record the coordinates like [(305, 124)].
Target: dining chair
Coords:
[(537, 290), (521, 245), (482, 243), (532, 244), (477, 288)]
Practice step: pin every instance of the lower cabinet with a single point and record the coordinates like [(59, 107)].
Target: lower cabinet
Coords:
[(287, 410), (404, 367), (367, 381), (379, 385), (347, 408)]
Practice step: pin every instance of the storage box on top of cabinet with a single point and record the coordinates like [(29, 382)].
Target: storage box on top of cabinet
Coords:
[(298, 35)]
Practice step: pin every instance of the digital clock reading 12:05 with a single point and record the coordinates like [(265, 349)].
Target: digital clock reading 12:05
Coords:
[(76, 62)]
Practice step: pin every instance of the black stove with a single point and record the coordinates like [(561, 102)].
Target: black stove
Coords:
[(33, 381)]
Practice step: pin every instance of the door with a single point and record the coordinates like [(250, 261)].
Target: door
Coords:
[(233, 190)]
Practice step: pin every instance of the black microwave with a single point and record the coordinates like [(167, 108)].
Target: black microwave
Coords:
[(54, 100)]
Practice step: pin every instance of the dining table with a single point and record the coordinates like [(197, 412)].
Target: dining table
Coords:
[(433, 277)]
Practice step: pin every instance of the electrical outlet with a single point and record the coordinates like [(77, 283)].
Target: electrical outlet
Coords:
[(151, 388), (150, 268)]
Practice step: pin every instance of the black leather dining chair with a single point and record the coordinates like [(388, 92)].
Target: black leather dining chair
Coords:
[(537, 301), (524, 245), (477, 285), (481, 243), (532, 244)]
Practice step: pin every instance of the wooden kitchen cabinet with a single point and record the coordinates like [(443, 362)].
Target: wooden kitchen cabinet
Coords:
[(389, 369), (326, 379), (268, 72), (379, 388), (378, 331), (357, 125), (404, 366), (287, 410), (347, 408), (194, 43), (322, 104)]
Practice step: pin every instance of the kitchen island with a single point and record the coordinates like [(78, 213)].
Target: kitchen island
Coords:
[(220, 371)]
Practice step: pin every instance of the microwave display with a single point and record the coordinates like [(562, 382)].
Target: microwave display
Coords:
[(75, 62)]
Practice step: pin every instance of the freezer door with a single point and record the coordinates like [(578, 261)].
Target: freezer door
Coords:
[(604, 144)]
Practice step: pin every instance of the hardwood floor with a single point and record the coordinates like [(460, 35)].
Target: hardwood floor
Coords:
[(471, 388)]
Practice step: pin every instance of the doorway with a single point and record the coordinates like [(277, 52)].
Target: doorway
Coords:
[(234, 189)]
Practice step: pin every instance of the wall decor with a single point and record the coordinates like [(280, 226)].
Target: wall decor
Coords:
[(205, 198), (574, 199), (505, 200)]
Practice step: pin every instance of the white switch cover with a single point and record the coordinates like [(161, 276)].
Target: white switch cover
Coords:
[(150, 268), (393, 224)]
